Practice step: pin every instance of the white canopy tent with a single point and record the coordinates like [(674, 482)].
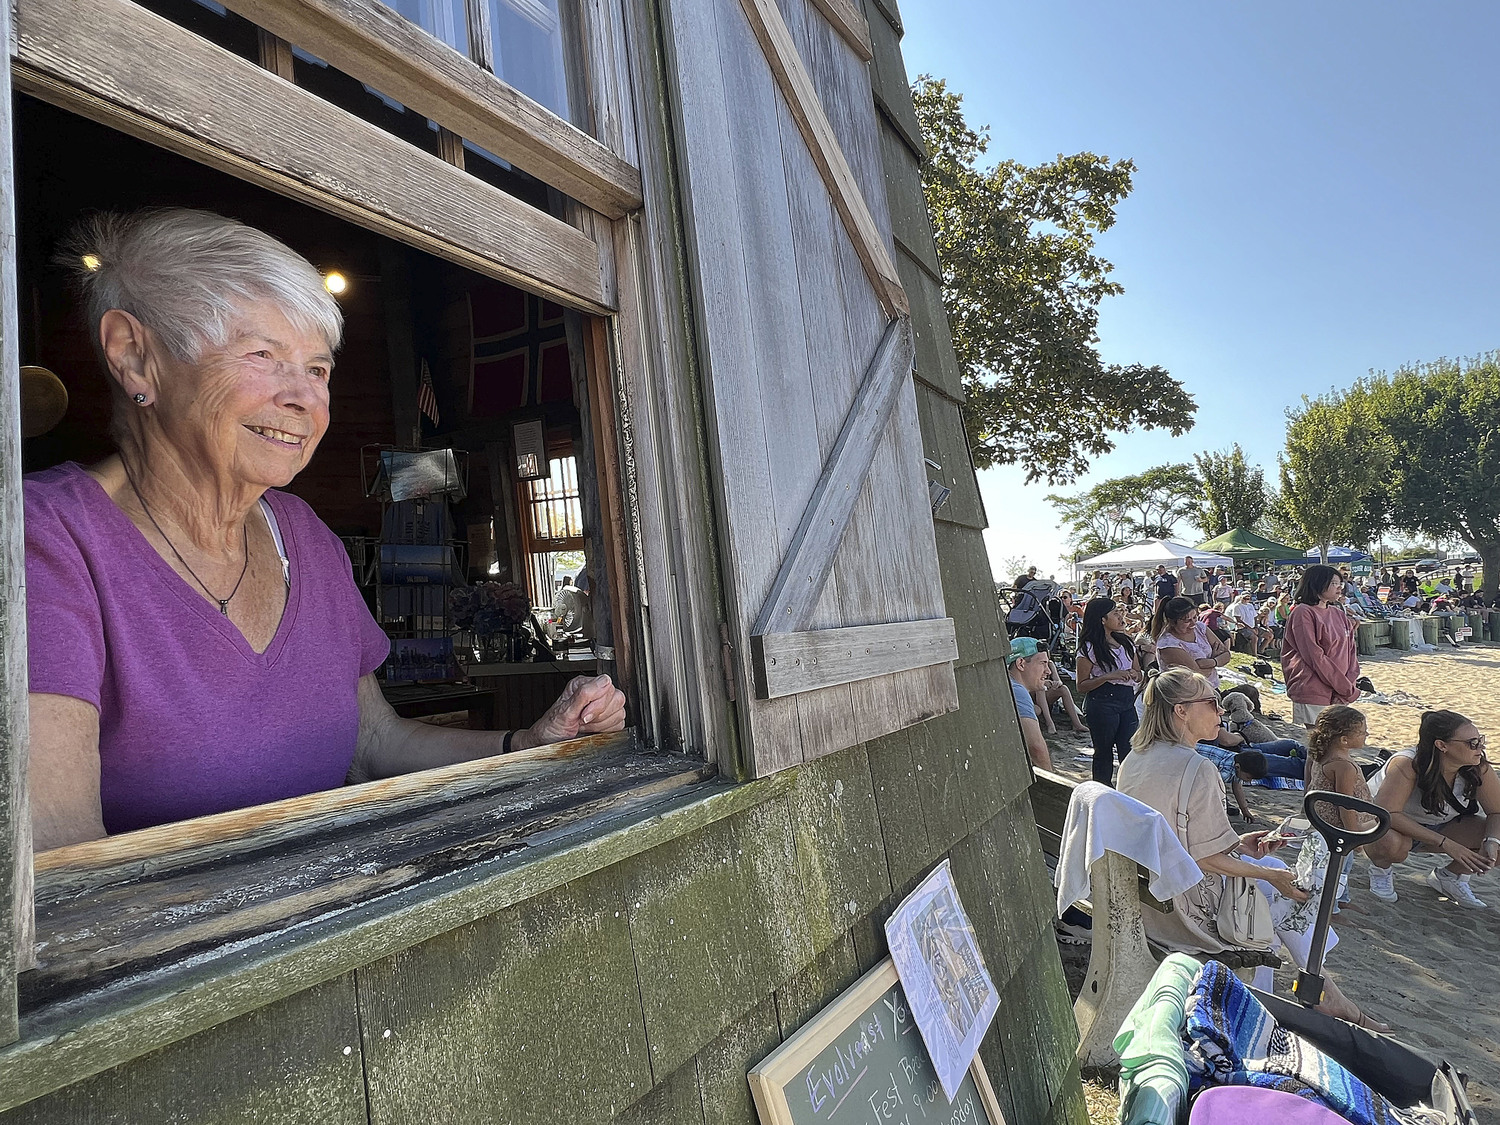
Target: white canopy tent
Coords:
[(1148, 554)]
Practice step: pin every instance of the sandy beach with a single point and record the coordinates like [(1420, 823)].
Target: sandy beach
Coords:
[(1422, 963)]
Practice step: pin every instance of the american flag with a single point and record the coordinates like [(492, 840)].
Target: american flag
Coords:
[(426, 398)]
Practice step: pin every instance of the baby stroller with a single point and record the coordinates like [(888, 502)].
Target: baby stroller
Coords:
[(1027, 612), (1339, 1072)]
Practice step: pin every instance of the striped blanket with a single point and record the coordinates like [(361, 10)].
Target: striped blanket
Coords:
[(1230, 1039)]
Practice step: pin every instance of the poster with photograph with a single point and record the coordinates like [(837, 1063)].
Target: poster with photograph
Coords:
[(950, 991)]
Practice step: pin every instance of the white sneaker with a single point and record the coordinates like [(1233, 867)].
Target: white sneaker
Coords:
[(1383, 883), (1455, 887)]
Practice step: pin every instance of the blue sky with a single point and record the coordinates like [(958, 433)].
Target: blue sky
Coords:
[(1317, 194)]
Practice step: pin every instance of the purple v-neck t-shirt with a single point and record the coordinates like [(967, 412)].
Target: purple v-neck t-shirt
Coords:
[(192, 720)]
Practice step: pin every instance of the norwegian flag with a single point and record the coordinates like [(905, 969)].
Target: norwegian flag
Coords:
[(426, 398)]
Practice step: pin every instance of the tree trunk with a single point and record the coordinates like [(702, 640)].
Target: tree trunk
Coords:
[(1489, 558), (1323, 553)]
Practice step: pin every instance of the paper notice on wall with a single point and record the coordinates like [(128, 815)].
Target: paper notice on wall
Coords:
[(941, 969)]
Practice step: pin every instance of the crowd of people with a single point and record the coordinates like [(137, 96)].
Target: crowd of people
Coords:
[(1152, 700)]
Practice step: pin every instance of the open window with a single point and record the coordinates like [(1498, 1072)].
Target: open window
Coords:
[(476, 317)]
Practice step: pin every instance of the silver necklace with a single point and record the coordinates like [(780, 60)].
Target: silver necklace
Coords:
[(244, 531)]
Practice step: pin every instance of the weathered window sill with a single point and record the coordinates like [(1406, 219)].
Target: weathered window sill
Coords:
[(158, 938)]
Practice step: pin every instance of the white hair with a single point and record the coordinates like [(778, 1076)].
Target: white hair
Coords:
[(187, 275)]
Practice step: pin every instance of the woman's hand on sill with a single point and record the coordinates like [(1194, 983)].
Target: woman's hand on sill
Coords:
[(588, 705)]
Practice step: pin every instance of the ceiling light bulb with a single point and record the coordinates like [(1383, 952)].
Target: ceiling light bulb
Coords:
[(91, 262), (335, 283)]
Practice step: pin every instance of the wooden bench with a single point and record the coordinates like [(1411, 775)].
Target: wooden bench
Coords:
[(1122, 959)]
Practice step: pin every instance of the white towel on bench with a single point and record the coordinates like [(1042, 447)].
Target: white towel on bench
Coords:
[(1101, 819)]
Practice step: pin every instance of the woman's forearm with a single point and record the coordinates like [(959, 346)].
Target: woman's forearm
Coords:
[(406, 745), (1222, 863)]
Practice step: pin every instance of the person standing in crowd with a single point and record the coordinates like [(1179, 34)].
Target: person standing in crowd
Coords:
[(1318, 653), (1165, 583), (1107, 671), (1028, 671), (1183, 640), (1099, 588), (1190, 581)]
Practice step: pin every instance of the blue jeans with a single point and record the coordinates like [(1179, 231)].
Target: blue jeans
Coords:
[(1109, 711), (1279, 762)]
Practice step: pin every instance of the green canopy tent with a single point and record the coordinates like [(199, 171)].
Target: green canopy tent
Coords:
[(1244, 546)]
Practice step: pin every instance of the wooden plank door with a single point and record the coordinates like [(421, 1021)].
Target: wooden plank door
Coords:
[(836, 609)]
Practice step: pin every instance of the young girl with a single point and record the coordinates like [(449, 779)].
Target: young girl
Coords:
[(1338, 731)]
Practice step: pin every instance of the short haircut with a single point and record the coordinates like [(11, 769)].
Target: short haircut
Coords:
[(187, 274), (1252, 763), (1315, 579)]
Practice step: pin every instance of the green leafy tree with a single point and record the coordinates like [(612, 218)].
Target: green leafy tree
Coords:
[(1442, 422), (1278, 523), (1233, 491), (1334, 460), (1147, 505), (1022, 286)]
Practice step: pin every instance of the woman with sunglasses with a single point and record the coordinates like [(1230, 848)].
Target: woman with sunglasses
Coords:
[(1443, 797), (1165, 772)]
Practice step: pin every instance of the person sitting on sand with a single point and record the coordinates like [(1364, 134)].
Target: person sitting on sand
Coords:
[(1443, 797), (1054, 690), (1235, 768), (1181, 708)]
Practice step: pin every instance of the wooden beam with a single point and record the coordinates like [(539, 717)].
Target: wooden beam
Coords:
[(810, 557), (374, 44), (179, 91), (850, 24), (276, 55), (802, 99), (16, 942), (789, 663)]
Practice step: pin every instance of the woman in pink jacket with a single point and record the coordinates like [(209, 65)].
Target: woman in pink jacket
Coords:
[(1318, 654)]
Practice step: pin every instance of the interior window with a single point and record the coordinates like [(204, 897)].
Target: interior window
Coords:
[(554, 530)]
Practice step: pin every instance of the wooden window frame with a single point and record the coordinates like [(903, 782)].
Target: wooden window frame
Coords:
[(366, 39)]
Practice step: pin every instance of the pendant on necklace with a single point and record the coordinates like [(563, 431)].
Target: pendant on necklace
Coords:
[(224, 607)]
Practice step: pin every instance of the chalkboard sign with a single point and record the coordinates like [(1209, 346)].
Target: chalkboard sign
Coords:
[(861, 1061)]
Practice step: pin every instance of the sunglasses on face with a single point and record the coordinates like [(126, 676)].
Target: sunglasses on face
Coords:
[(1214, 699), (1471, 743)]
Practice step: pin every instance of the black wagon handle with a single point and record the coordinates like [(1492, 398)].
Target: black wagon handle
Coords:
[(1308, 987), (1341, 840)]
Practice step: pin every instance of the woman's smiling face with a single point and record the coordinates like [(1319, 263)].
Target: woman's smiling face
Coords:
[(255, 409)]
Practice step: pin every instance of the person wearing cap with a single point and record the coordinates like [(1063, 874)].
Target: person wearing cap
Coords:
[(1028, 670)]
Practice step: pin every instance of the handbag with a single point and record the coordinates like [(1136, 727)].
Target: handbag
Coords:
[(1244, 918)]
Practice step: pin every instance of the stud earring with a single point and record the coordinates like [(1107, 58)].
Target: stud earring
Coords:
[(140, 398)]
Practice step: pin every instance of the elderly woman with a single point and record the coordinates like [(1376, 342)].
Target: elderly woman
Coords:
[(1165, 771), (197, 642)]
